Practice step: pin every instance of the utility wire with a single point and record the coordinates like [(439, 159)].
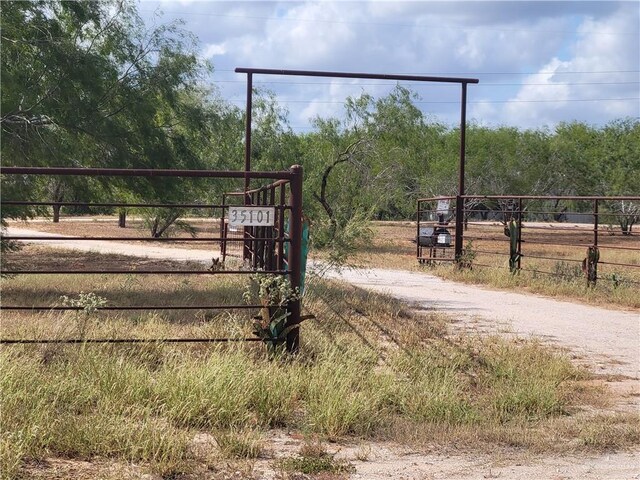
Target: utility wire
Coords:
[(581, 72), (422, 84), (238, 102), (384, 24)]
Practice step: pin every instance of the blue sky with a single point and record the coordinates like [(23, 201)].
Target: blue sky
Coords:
[(539, 63)]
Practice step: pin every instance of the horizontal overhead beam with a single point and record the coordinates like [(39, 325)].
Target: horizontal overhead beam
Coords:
[(368, 76)]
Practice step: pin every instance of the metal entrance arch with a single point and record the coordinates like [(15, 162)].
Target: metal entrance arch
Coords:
[(367, 76)]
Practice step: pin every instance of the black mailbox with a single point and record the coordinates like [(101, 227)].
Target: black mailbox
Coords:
[(434, 237), (426, 238)]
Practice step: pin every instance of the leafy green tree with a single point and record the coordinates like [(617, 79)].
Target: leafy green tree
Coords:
[(85, 84), (620, 175)]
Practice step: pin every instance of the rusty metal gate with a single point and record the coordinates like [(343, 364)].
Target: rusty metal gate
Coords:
[(562, 236), (274, 250)]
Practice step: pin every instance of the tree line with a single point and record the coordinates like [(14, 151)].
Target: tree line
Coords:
[(88, 84)]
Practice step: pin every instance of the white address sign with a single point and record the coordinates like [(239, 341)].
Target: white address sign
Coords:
[(252, 216)]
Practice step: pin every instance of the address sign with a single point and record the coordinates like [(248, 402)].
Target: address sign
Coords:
[(252, 216)]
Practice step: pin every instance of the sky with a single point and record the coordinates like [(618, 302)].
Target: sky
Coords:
[(538, 63)]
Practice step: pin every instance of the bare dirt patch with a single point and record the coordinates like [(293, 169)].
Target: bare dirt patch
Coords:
[(37, 257), (108, 227), (371, 461), (383, 460)]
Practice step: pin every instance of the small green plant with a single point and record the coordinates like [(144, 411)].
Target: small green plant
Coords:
[(616, 279), (89, 303), (313, 458), (274, 293), (244, 443), (468, 256), (566, 271)]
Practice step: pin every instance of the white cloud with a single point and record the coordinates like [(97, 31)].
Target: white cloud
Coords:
[(212, 49), (471, 39), (615, 55)]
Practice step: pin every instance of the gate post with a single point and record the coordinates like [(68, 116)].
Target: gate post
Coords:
[(459, 227), (461, 190), (295, 257)]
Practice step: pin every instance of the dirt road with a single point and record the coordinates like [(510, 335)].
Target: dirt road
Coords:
[(141, 249), (608, 339)]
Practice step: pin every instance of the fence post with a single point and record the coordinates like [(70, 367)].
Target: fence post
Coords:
[(459, 227), (519, 233), (418, 232), (223, 230), (593, 254), (271, 230), (595, 222), (281, 227), (295, 256)]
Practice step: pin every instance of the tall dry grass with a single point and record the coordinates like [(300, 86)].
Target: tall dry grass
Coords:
[(368, 367)]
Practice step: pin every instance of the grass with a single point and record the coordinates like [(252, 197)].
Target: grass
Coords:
[(619, 286), (313, 458), (391, 246), (610, 432), (368, 369), (240, 443), (574, 288)]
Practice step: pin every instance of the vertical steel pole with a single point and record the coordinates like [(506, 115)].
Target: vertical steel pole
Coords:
[(246, 254), (295, 255), (595, 240), (281, 235), (418, 233), (247, 132), (271, 233), (461, 192), (253, 250), (595, 222), (519, 233), (223, 231)]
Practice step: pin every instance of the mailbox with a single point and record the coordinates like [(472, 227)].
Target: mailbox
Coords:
[(438, 236), (443, 238), (426, 238)]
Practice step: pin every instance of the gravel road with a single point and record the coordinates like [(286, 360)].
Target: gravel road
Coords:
[(608, 339)]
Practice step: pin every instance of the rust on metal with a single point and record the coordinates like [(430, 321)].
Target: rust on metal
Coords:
[(128, 340), (132, 307), (139, 239), (541, 225), (266, 244), (140, 272), (140, 172)]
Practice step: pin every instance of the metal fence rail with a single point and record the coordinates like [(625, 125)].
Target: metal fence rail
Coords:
[(562, 236), (263, 246)]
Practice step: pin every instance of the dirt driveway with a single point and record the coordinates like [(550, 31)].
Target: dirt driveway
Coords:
[(606, 339), (609, 339)]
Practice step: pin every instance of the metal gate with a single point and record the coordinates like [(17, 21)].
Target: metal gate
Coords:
[(562, 236), (274, 250)]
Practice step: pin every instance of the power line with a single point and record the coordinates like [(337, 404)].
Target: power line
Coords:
[(593, 72), (383, 24), (430, 84), (330, 102)]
